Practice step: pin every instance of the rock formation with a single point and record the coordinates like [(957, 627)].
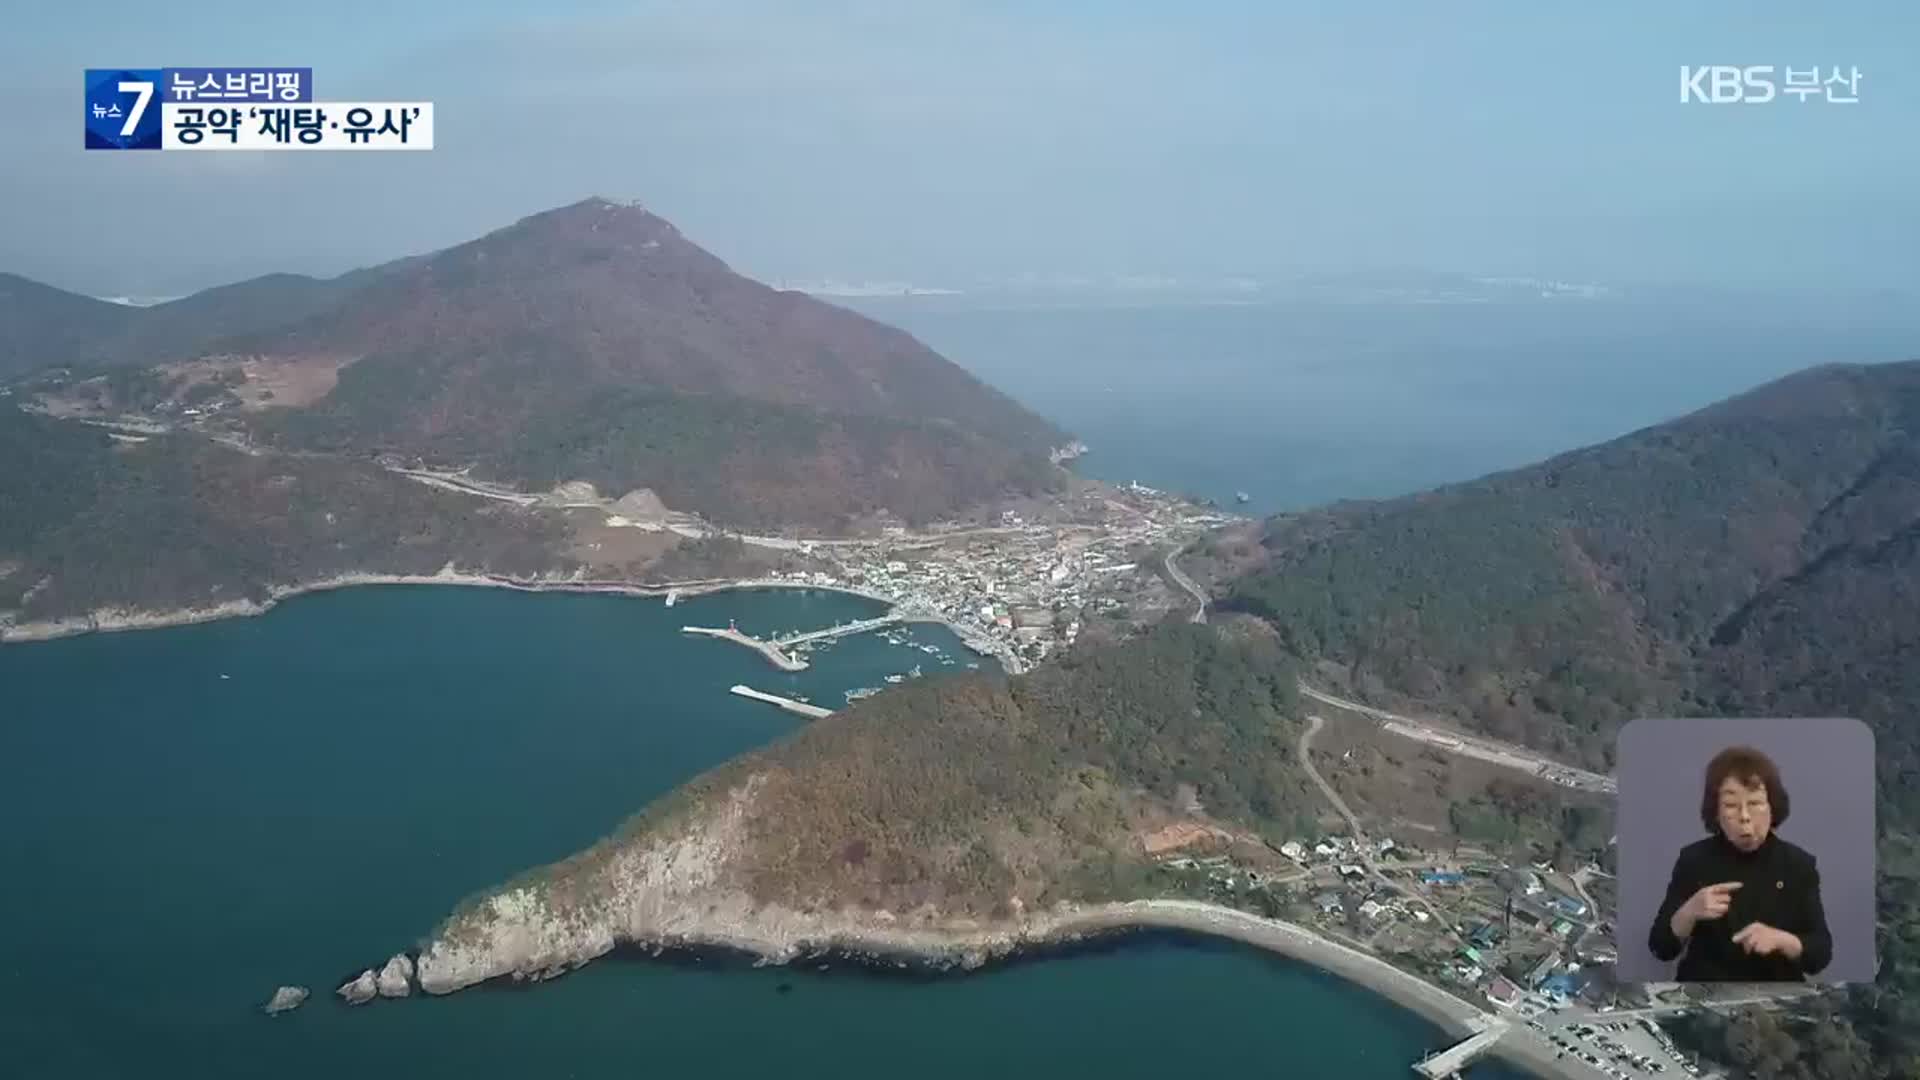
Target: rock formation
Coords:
[(396, 979), (361, 989), (285, 999)]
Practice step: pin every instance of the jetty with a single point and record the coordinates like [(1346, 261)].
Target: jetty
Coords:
[(1454, 1058), (812, 712), (775, 655), (859, 627)]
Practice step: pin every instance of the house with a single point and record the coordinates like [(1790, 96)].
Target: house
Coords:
[(1328, 902), (1386, 845), (1293, 849), (1562, 928), (1502, 992), (1531, 882), (1561, 987), (1540, 971), (1349, 870), (1443, 877), (1485, 935), (1373, 909), (1567, 905), (1420, 915)]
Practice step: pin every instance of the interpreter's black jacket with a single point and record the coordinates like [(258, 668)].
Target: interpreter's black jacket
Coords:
[(1780, 886)]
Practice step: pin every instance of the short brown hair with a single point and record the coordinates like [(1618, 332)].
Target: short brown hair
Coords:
[(1746, 765)]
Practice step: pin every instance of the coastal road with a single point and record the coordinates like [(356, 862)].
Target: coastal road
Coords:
[(1181, 579), (1475, 746)]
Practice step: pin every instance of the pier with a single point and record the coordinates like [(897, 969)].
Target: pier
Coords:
[(811, 712), (771, 651), (843, 630), (1450, 1061)]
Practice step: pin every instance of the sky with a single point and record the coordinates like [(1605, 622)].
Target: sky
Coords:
[(950, 142)]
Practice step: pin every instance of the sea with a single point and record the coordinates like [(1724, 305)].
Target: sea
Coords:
[(1295, 404), (196, 815)]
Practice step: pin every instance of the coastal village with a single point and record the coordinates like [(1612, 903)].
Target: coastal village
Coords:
[(1030, 583), (1530, 943)]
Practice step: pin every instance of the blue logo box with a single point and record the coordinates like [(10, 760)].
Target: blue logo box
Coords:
[(123, 108)]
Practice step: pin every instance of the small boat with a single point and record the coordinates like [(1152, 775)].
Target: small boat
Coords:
[(1242, 497), (224, 675), (673, 597), (895, 678), (915, 673)]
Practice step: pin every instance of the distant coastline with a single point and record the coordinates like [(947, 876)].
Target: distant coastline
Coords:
[(114, 620)]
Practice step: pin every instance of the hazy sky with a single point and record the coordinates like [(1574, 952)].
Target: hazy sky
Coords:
[(944, 142)]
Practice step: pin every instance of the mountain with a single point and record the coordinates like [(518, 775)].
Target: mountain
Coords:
[(180, 329), (98, 523), (1759, 556), (589, 343), (41, 326), (596, 343)]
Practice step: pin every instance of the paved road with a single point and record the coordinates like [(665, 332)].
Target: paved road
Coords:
[(1180, 578), (1474, 746)]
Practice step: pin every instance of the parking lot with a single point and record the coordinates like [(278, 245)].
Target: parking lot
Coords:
[(1622, 1049)]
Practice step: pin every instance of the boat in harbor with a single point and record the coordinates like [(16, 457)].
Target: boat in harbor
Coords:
[(860, 692), (673, 597), (896, 678)]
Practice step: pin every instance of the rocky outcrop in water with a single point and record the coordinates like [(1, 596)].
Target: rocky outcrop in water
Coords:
[(396, 979), (285, 999), (360, 989)]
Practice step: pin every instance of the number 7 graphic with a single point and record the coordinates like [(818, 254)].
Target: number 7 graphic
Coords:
[(145, 92)]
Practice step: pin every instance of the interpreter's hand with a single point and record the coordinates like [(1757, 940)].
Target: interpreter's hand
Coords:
[(1760, 939), (1711, 902)]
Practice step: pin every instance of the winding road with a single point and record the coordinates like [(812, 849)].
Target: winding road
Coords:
[(1181, 579), (1475, 746)]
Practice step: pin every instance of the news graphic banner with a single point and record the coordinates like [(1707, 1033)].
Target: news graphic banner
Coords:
[(262, 108)]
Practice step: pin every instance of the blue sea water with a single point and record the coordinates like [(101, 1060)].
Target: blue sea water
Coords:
[(196, 815), (1298, 404)]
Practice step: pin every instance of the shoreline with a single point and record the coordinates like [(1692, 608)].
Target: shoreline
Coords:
[(946, 953), (935, 952), (118, 620)]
